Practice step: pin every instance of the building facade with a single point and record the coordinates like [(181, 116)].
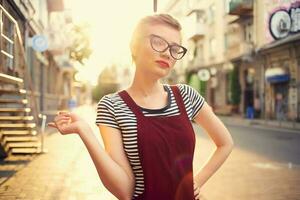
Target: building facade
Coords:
[(236, 36), (48, 74)]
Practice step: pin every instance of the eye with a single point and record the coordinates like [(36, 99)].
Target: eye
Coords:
[(177, 49), (158, 41)]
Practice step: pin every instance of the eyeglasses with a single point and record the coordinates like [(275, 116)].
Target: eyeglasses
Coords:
[(161, 45)]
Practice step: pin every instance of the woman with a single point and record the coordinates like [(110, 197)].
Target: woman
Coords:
[(148, 137)]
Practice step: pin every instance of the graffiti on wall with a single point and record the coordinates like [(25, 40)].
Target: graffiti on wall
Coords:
[(284, 20)]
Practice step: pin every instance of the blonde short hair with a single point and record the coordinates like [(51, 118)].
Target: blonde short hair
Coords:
[(162, 18)]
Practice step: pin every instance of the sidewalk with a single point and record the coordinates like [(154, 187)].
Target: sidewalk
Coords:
[(287, 126), (65, 172)]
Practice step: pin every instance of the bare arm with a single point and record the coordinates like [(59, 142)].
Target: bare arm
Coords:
[(111, 164), (220, 136)]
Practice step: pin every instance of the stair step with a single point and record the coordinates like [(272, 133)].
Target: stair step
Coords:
[(16, 118), (13, 91), (19, 101), (18, 125), (21, 145), (20, 139), (27, 110), (18, 132), (25, 150), (11, 79)]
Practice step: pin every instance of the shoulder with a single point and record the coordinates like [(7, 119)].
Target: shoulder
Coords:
[(187, 90), (109, 98), (108, 101)]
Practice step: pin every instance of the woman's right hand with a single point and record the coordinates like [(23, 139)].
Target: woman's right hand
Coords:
[(67, 123)]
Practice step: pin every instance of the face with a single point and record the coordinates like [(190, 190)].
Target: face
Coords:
[(157, 50)]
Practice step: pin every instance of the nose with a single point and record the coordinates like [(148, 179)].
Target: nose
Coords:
[(166, 54)]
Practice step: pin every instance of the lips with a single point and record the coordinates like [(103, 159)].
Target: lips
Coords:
[(163, 63)]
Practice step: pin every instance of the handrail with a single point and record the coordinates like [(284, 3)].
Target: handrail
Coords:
[(11, 79), (33, 102)]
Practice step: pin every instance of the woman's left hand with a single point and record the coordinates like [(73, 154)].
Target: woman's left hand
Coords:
[(197, 191)]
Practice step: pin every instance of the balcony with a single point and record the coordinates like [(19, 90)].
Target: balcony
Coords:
[(197, 32), (241, 7), (195, 24), (239, 50)]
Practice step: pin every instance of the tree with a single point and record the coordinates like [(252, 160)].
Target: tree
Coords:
[(235, 87), (107, 83), (80, 48)]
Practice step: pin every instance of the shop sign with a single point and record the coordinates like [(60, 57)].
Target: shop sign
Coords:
[(284, 22), (276, 75)]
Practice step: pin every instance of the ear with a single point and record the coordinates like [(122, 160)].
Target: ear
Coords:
[(133, 48), (133, 57)]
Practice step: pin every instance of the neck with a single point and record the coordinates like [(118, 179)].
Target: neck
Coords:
[(145, 85)]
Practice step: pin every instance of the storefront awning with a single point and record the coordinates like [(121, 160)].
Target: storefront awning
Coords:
[(276, 75), (277, 43)]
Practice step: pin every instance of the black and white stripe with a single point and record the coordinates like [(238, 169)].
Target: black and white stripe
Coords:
[(112, 111)]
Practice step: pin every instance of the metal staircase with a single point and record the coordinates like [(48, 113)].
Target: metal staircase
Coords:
[(18, 120), (18, 130)]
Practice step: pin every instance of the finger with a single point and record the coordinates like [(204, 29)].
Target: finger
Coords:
[(51, 124), (195, 186), (62, 112), (62, 122), (58, 118), (64, 117), (197, 191)]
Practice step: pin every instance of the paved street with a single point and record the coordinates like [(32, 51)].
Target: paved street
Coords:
[(264, 165)]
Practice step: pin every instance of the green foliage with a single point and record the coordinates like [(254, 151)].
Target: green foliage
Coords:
[(107, 83), (203, 88), (235, 87), (103, 89), (195, 82), (188, 76), (80, 48)]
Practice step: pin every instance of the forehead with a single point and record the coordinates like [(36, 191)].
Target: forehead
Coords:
[(167, 32)]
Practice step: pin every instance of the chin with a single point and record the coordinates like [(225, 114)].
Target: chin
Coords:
[(161, 74)]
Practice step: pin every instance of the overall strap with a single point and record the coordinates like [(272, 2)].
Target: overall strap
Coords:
[(179, 100), (130, 103)]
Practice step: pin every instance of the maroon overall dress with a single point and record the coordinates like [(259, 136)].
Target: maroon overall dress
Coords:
[(166, 149)]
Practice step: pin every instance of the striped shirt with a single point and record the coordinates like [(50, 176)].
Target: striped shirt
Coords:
[(112, 111)]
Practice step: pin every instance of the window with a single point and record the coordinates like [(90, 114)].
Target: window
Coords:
[(200, 52), (226, 6), (248, 29), (211, 13), (212, 47)]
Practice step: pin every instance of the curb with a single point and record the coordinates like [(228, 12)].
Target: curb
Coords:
[(292, 127)]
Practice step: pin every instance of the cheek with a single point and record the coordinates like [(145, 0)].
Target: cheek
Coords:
[(147, 53), (173, 62)]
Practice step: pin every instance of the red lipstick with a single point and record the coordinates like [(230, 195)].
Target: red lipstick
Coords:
[(163, 63)]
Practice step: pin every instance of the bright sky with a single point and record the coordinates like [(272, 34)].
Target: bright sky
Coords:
[(112, 23)]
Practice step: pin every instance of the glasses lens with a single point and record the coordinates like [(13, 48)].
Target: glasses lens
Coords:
[(158, 44), (177, 51)]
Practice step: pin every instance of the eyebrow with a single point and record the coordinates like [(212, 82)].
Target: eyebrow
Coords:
[(165, 39)]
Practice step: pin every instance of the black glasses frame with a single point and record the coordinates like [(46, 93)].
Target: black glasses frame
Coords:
[(152, 36)]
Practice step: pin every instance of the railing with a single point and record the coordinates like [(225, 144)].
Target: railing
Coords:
[(6, 42), (17, 40)]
